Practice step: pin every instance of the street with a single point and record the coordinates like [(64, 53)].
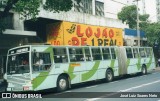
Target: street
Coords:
[(97, 91)]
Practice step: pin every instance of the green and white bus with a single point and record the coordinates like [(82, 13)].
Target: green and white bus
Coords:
[(62, 66)]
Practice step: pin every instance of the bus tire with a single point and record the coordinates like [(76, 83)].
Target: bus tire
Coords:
[(109, 75), (62, 83), (144, 70)]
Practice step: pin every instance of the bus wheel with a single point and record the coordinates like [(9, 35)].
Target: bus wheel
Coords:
[(144, 70), (109, 75), (62, 83)]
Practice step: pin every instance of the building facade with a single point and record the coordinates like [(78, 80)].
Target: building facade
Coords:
[(158, 10), (19, 32)]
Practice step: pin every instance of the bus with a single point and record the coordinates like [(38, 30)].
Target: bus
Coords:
[(40, 67)]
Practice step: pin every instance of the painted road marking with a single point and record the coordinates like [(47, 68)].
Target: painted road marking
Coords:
[(129, 78), (114, 81), (92, 86), (125, 90), (139, 86), (68, 91), (93, 99)]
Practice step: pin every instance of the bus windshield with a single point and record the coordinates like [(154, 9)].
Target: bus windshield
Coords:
[(18, 63)]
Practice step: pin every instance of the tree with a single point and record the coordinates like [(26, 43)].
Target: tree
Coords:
[(153, 33), (128, 15), (30, 8)]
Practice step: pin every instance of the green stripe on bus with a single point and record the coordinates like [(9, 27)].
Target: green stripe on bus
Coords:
[(39, 79), (150, 62), (91, 72), (128, 62), (139, 64), (112, 63), (70, 72)]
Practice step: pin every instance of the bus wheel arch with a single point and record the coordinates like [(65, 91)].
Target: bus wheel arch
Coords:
[(144, 69), (63, 82), (109, 75)]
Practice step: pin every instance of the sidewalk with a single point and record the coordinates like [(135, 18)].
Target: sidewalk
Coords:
[(157, 69)]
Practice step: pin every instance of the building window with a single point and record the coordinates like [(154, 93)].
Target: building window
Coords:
[(8, 21), (99, 8), (83, 6)]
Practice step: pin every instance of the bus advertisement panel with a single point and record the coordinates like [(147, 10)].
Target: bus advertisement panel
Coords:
[(75, 34)]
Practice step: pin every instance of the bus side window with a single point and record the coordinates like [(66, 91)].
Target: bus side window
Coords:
[(42, 62), (135, 52), (60, 55), (148, 52), (96, 54), (106, 53), (129, 53), (87, 54), (142, 52), (76, 54), (113, 54)]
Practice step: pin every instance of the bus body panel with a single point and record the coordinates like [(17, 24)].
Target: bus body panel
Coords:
[(78, 71)]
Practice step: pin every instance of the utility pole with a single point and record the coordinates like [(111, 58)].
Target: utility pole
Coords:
[(138, 32)]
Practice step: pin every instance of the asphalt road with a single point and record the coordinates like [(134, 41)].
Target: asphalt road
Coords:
[(132, 88)]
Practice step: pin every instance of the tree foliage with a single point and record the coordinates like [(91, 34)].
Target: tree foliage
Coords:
[(30, 8), (153, 33), (128, 15)]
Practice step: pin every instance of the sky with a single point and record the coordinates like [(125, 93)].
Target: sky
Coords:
[(149, 7), (112, 7)]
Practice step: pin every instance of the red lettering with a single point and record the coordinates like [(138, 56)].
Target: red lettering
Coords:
[(79, 34), (111, 33), (104, 34), (69, 42), (75, 41), (55, 42), (89, 32), (97, 35), (83, 41)]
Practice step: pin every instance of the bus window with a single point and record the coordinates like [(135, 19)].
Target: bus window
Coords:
[(60, 55), (41, 61), (129, 53), (76, 54), (142, 52), (96, 54), (113, 54), (87, 54), (148, 52), (135, 52), (18, 63), (106, 53)]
